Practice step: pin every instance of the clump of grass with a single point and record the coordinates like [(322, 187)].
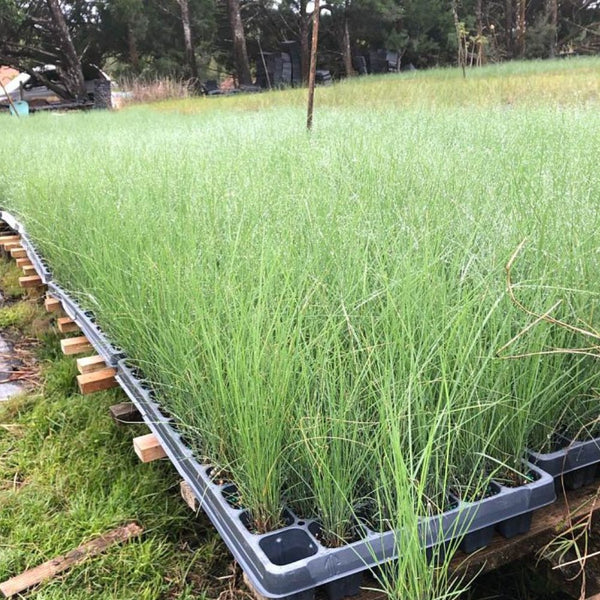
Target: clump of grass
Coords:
[(332, 301)]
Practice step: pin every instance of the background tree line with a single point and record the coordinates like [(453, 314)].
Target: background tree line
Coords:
[(205, 39)]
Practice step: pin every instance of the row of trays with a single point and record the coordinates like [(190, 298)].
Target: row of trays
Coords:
[(291, 562)]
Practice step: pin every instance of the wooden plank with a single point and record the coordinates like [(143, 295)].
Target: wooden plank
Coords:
[(66, 325), (75, 345), (18, 253), (89, 364), (52, 304), (9, 239), (49, 569), (125, 413), (148, 448), (8, 246), (97, 381), (23, 262), (29, 270), (188, 495), (31, 281)]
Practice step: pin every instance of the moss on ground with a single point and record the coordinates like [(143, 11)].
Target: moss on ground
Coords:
[(68, 474)]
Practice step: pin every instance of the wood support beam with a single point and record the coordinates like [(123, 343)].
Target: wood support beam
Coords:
[(148, 448), (52, 304), (31, 281), (97, 381), (125, 413), (18, 252), (49, 569), (89, 364), (23, 262), (29, 270), (9, 239), (66, 325), (75, 345)]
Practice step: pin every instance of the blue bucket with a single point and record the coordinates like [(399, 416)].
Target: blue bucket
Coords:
[(21, 108)]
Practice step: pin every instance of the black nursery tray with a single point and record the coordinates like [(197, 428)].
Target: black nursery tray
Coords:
[(291, 562), (576, 464), (86, 322), (11, 221), (37, 261)]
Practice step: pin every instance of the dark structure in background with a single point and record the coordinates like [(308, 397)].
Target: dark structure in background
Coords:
[(284, 68), (377, 61), (280, 69)]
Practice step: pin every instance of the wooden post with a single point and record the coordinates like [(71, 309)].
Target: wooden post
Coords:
[(313, 66)]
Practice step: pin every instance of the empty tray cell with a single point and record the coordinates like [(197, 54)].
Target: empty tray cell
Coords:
[(286, 547)]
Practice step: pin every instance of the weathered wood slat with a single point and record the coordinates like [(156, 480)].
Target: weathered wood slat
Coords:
[(20, 583), (188, 496), (125, 413), (23, 262)]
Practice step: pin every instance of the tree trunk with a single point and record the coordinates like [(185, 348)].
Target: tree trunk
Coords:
[(508, 27), (240, 53), (71, 73), (134, 57), (304, 41), (521, 27), (480, 44), (190, 55), (346, 48), (553, 8)]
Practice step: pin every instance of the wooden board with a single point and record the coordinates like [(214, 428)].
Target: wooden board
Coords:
[(23, 262), (30, 281), (66, 325), (125, 413), (97, 381), (52, 304), (29, 270), (9, 239), (75, 345), (188, 496), (148, 448), (89, 364), (20, 583), (18, 253)]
